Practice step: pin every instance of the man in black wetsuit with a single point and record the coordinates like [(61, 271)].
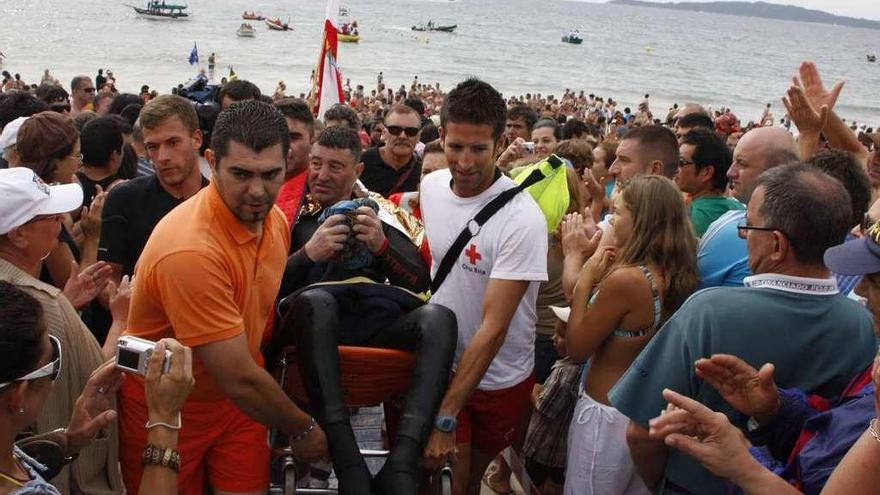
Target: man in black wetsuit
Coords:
[(321, 317)]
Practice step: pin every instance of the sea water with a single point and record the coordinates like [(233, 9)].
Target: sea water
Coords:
[(716, 60)]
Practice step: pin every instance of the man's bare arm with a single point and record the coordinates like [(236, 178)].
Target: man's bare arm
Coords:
[(499, 305), (251, 387)]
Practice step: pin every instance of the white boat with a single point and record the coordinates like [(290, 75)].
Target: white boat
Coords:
[(246, 31)]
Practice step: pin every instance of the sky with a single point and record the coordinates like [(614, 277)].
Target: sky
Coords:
[(867, 9)]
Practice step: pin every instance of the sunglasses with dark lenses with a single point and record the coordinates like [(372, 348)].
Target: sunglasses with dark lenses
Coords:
[(395, 130), (51, 369)]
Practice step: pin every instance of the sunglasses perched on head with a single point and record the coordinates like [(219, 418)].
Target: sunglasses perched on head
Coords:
[(51, 369), (395, 130)]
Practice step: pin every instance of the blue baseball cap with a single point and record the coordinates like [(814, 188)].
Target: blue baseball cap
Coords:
[(858, 257)]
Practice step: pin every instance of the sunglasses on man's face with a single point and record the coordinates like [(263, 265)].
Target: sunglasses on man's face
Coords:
[(395, 130), (51, 369)]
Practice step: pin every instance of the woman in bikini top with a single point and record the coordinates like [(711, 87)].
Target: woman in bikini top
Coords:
[(625, 291)]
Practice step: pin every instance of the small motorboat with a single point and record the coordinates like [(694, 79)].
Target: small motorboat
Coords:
[(246, 31), (276, 25), (157, 9), (347, 32), (430, 26), (574, 40), (252, 16), (872, 58)]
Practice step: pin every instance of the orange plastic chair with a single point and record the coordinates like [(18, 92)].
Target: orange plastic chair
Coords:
[(368, 375)]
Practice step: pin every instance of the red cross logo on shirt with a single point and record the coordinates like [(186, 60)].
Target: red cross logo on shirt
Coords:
[(473, 255)]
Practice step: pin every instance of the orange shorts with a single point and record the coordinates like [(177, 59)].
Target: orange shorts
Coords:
[(219, 445), (490, 419)]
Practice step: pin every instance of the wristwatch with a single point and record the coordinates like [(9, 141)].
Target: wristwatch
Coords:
[(446, 424)]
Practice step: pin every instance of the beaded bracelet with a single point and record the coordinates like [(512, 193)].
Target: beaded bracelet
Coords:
[(157, 456)]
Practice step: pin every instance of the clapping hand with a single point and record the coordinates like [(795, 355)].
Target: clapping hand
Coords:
[(83, 286), (703, 434), (579, 235), (814, 90), (90, 219), (594, 186), (120, 298), (599, 264), (802, 113), (750, 391)]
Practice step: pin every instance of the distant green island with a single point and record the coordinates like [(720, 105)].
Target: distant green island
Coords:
[(758, 9)]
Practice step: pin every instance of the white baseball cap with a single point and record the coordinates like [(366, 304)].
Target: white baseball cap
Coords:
[(26, 196), (9, 136)]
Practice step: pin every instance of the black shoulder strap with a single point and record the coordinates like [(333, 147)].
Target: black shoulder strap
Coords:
[(473, 225)]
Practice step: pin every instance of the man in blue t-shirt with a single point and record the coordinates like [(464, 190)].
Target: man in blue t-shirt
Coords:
[(722, 260), (790, 314)]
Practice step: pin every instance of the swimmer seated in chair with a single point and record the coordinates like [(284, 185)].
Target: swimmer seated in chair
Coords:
[(336, 238)]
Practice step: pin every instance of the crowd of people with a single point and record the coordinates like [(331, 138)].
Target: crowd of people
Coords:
[(549, 273)]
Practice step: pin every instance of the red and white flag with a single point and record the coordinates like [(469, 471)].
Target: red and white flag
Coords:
[(329, 82)]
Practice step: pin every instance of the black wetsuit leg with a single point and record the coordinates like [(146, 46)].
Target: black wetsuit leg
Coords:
[(316, 335), (431, 331)]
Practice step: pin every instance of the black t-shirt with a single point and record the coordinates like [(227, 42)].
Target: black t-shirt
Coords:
[(88, 186), (382, 178), (131, 212)]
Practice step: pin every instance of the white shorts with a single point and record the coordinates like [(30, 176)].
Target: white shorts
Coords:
[(599, 462)]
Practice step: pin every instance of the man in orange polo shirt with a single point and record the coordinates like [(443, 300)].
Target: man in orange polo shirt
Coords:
[(208, 277)]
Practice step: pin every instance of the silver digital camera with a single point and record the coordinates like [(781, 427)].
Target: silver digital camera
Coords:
[(528, 147), (133, 354)]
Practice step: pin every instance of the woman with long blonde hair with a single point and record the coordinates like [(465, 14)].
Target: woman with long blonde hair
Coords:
[(623, 295)]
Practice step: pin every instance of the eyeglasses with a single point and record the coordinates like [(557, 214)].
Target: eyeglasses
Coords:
[(89, 90), (52, 369), (395, 130), (742, 229)]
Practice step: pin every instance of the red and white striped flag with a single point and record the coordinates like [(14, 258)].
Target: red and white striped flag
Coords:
[(329, 82)]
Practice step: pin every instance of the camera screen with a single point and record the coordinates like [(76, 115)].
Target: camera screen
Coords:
[(127, 359)]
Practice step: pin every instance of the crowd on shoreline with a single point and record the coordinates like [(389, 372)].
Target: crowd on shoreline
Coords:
[(674, 241)]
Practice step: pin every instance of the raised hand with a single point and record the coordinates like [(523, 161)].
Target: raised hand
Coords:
[(814, 89), (90, 219), (579, 236), (750, 391), (599, 264), (595, 187), (802, 113), (704, 435), (120, 299), (83, 286)]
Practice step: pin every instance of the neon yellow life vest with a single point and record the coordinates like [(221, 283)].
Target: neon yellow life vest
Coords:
[(551, 193)]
